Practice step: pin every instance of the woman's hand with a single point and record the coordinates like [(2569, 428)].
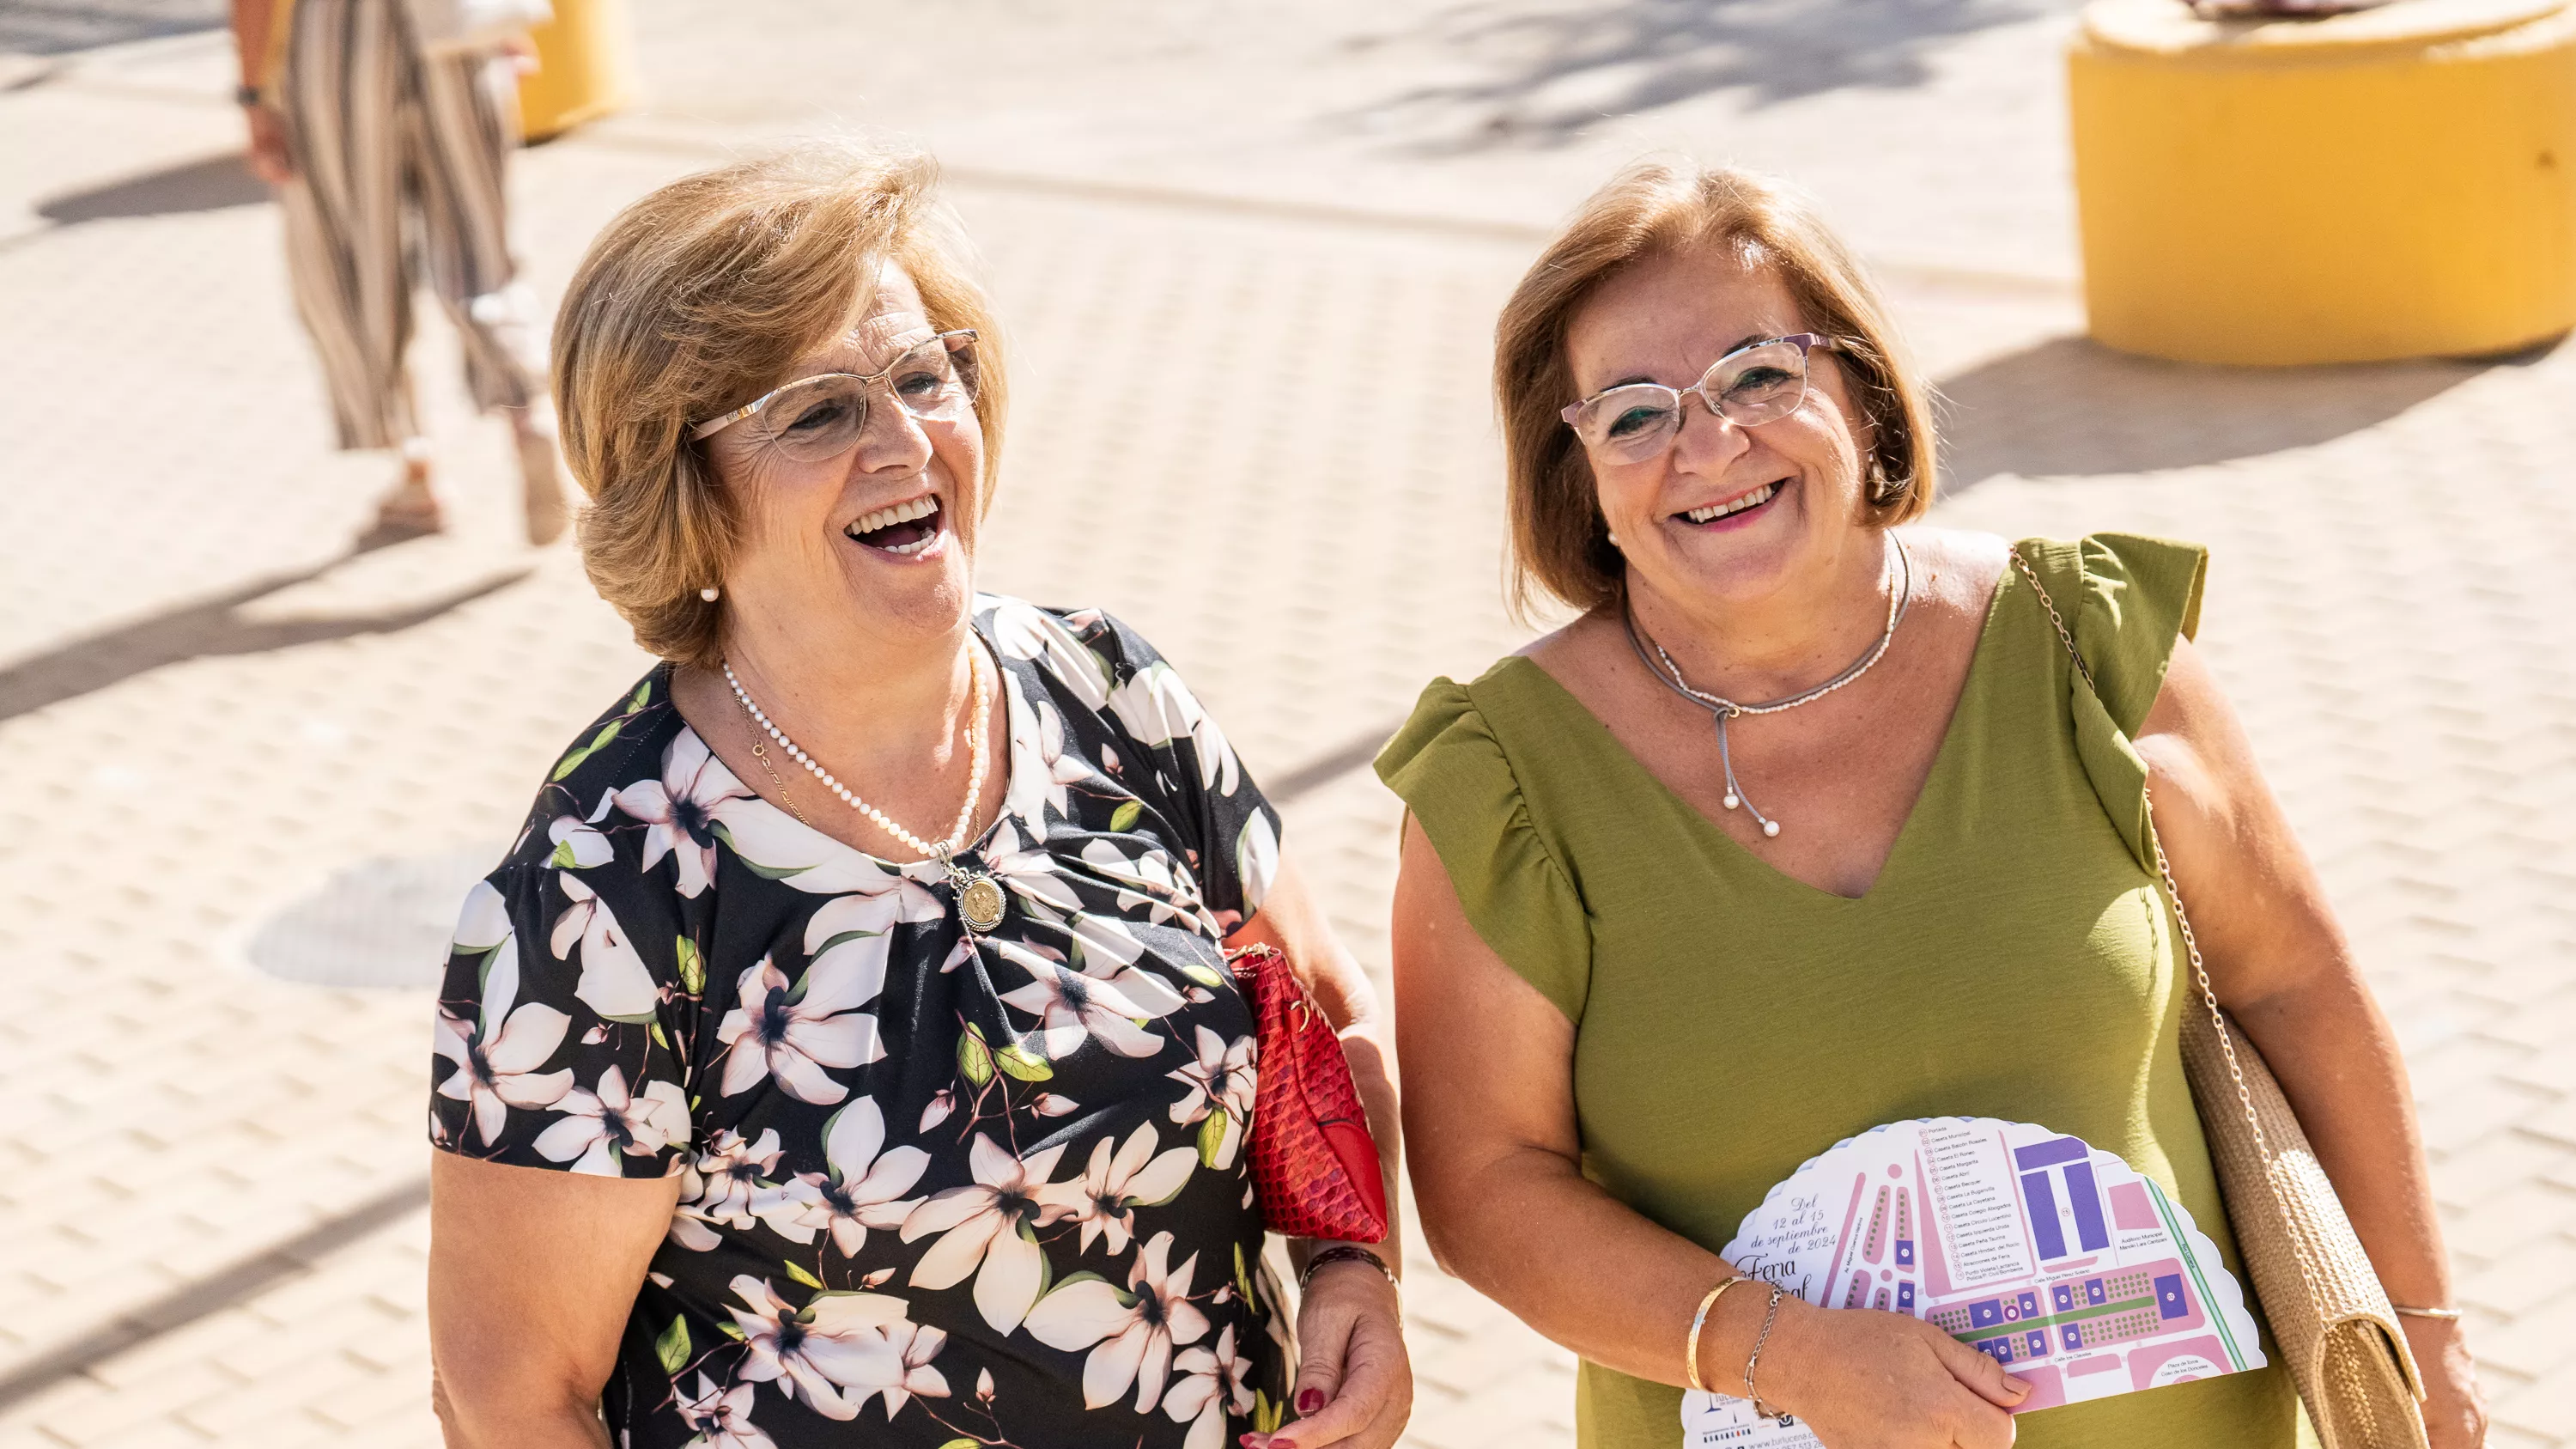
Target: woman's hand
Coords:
[(1355, 1382), (1869, 1380), (2455, 1411)]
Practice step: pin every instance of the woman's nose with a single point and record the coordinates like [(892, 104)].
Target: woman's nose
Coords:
[(892, 438), (1708, 440)]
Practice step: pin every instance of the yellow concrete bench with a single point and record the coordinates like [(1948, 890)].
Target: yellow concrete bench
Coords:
[(585, 67), (2398, 182)]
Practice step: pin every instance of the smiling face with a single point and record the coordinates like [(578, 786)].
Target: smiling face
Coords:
[(1727, 514), (879, 538)]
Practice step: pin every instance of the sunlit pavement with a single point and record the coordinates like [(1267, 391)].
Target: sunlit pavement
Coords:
[(1248, 258)]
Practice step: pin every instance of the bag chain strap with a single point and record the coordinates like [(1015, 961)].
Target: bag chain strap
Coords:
[(2190, 942)]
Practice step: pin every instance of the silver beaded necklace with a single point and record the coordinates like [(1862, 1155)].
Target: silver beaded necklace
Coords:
[(979, 897), (1722, 709)]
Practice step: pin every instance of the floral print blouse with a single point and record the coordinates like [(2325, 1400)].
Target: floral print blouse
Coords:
[(937, 1189)]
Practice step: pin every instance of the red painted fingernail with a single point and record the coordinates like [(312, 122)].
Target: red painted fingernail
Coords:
[(1309, 1401)]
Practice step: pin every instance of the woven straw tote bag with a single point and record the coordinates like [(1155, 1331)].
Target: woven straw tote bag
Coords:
[(2329, 1315)]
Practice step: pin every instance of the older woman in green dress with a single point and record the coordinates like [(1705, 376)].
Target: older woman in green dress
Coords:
[(1645, 968)]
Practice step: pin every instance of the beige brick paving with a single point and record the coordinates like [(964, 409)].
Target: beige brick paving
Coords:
[(208, 712)]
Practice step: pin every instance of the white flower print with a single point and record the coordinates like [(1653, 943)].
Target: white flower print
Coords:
[(1071, 1005), (1131, 1333), (990, 1231), (1212, 1381), (794, 1034), (721, 1185), (497, 1054), (1158, 708), (614, 979), (1223, 1078), (915, 1345), (1105, 1198), (683, 809), (860, 1190), (1151, 882), (853, 931), (1034, 792), (600, 1127), (1256, 860), (578, 846), (722, 1417), (838, 1340), (1024, 631), (1029, 870)]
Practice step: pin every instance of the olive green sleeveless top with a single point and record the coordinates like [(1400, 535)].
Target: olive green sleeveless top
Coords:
[(2013, 959)]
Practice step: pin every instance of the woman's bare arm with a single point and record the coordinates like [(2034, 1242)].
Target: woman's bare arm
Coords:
[(1355, 1383), (2281, 965), (1489, 1112), (531, 1276)]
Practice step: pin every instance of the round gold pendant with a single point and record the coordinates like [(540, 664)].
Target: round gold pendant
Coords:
[(979, 903)]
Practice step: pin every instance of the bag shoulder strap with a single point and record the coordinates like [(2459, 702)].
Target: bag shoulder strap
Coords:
[(2164, 872)]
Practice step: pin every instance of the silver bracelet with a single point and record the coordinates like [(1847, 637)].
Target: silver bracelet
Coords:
[(1347, 1253), (1770, 1315), (2444, 1315)]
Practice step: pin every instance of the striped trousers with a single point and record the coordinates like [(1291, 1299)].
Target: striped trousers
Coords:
[(399, 167)]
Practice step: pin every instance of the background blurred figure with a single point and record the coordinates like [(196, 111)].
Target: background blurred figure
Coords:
[(387, 130)]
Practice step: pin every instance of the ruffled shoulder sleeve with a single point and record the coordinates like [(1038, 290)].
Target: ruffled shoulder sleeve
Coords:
[(1455, 777), (2128, 599)]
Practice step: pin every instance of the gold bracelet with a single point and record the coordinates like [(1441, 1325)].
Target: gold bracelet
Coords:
[(2445, 1315), (1690, 1354)]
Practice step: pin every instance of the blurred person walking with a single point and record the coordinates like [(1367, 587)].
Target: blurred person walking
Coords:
[(386, 127)]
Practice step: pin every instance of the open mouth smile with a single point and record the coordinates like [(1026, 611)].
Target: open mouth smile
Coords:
[(1736, 507), (904, 530)]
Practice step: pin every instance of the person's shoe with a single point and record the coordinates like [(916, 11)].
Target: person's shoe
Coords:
[(410, 511), (541, 482)]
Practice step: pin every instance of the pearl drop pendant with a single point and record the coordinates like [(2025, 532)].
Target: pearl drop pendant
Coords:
[(1731, 802), (1770, 827)]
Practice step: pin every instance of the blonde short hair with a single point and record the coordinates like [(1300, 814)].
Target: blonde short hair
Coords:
[(701, 297), (1560, 544)]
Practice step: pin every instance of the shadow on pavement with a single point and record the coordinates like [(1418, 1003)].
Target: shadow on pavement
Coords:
[(58, 27), (2070, 407), (210, 184), (1555, 68), (209, 628)]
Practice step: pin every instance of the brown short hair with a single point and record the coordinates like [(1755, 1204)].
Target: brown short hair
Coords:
[(1560, 545), (699, 298)]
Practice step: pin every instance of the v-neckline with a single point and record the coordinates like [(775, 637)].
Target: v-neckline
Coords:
[(1933, 778)]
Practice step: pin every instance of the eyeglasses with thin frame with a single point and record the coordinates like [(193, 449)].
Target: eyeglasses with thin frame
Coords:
[(820, 417), (1760, 382)]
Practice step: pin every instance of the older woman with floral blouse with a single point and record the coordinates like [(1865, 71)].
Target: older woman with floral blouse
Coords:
[(845, 1053)]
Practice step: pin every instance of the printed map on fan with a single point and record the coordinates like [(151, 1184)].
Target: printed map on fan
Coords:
[(2047, 1254)]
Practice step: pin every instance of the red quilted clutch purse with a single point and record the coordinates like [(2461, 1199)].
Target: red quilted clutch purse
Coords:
[(1313, 1161)]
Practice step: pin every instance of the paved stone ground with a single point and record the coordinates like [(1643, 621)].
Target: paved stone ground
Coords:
[(1277, 235)]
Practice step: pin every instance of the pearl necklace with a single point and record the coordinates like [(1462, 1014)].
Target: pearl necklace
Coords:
[(979, 899), (1722, 709)]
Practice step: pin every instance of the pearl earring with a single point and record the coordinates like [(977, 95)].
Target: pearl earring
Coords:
[(1614, 540), (710, 594)]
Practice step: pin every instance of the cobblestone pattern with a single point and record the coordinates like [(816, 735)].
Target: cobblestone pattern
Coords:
[(207, 709)]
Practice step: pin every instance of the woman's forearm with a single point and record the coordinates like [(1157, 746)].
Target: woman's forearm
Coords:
[(2338, 1064), (1532, 1233)]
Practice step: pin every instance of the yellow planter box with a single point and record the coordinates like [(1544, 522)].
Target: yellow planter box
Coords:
[(2398, 182), (585, 67)]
